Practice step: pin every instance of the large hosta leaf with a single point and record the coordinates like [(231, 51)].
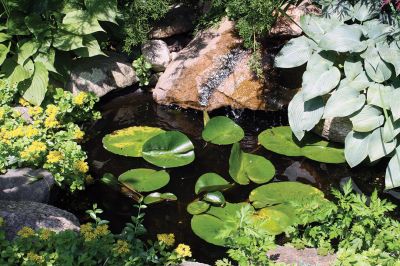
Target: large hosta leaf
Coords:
[(169, 149), (316, 26), (244, 167), (369, 118), (144, 180), (66, 41), (390, 130), (359, 83), (103, 10), (394, 104), (392, 177), (356, 147), (295, 53), (391, 56), (36, 87), (343, 102), (26, 49), (222, 131), (377, 147), (353, 67), (379, 95), (365, 10), (377, 69), (304, 115), (129, 141), (343, 38), (81, 23), (282, 141), (91, 47), (319, 81), (210, 182)]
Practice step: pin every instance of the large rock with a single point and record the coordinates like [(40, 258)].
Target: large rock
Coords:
[(101, 74), (307, 256), (156, 52), (34, 215), (178, 20), (211, 72), (290, 26), (17, 185), (335, 129)]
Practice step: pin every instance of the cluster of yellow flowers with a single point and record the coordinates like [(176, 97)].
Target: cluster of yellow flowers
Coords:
[(45, 234), (81, 166), (33, 150), (89, 233), (54, 157), (35, 111), (2, 113), (23, 102), (19, 132), (183, 250), (51, 119), (35, 258), (167, 239), (121, 247), (78, 134), (26, 232), (80, 98)]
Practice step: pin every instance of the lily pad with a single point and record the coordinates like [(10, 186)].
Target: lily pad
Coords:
[(169, 149), (211, 182), (197, 207), (208, 225), (221, 130), (157, 197), (144, 180), (281, 140), (276, 219), (129, 141), (244, 167), (214, 198)]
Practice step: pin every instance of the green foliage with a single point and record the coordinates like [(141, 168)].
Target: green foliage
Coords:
[(352, 71), (247, 239), (36, 36), (138, 18), (93, 245), (143, 70), (360, 229), (49, 141)]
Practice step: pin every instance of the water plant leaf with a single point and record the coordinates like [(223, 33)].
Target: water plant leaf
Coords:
[(356, 147), (304, 115), (110, 180), (343, 38), (221, 130), (246, 167), (295, 53), (211, 182), (208, 225), (197, 207), (157, 197), (169, 149), (215, 197), (144, 180), (392, 177), (377, 147), (281, 140), (129, 141), (276, 219)]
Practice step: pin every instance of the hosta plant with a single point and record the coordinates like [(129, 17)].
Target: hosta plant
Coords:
[(353, 64)]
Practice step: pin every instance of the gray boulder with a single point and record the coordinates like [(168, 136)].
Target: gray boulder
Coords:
[(24, 113), (307, 256), (17, 185), (156, 52), (101, 74), (35, 215)]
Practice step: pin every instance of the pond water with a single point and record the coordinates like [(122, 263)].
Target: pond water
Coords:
[(127, 108)]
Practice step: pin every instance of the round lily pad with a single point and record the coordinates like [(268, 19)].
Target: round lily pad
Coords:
[(169, 149), (129, 141), (157, 197), (144, 180), (197, 207), (211, 182), (221, 130)]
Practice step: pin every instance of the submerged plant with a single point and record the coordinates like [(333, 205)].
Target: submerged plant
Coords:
[(352, 71)]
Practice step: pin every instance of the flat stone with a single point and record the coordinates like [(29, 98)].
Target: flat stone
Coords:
[(24, 113), (101, 74), (36, 216), (156, 52), (16, 185), (307, 256)]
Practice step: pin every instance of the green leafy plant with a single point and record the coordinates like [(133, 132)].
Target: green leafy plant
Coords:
[(359, 228), (352, 71), (143, 70), (35, 39)]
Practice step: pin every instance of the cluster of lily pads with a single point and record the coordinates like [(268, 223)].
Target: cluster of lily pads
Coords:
[(280, 203)]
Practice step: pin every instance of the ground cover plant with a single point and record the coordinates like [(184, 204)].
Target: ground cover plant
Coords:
[(352, 71)]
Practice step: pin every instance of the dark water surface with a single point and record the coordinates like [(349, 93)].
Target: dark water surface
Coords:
[(127, 109)]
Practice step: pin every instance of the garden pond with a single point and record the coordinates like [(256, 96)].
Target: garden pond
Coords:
[(136, 108)]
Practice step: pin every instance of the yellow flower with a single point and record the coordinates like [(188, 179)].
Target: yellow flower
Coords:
[(80, 98), (34, 111), (30, 131), (54, 157), (52, 110), (88, 232), (26, 232), (51, 122), (33, 150), (167, 239), (2, 113), (121, 247), (183, 250), (45, 234), (89, 179), (35, 258), (101, 230), (23, 102), (82, 166), (78, 134)]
